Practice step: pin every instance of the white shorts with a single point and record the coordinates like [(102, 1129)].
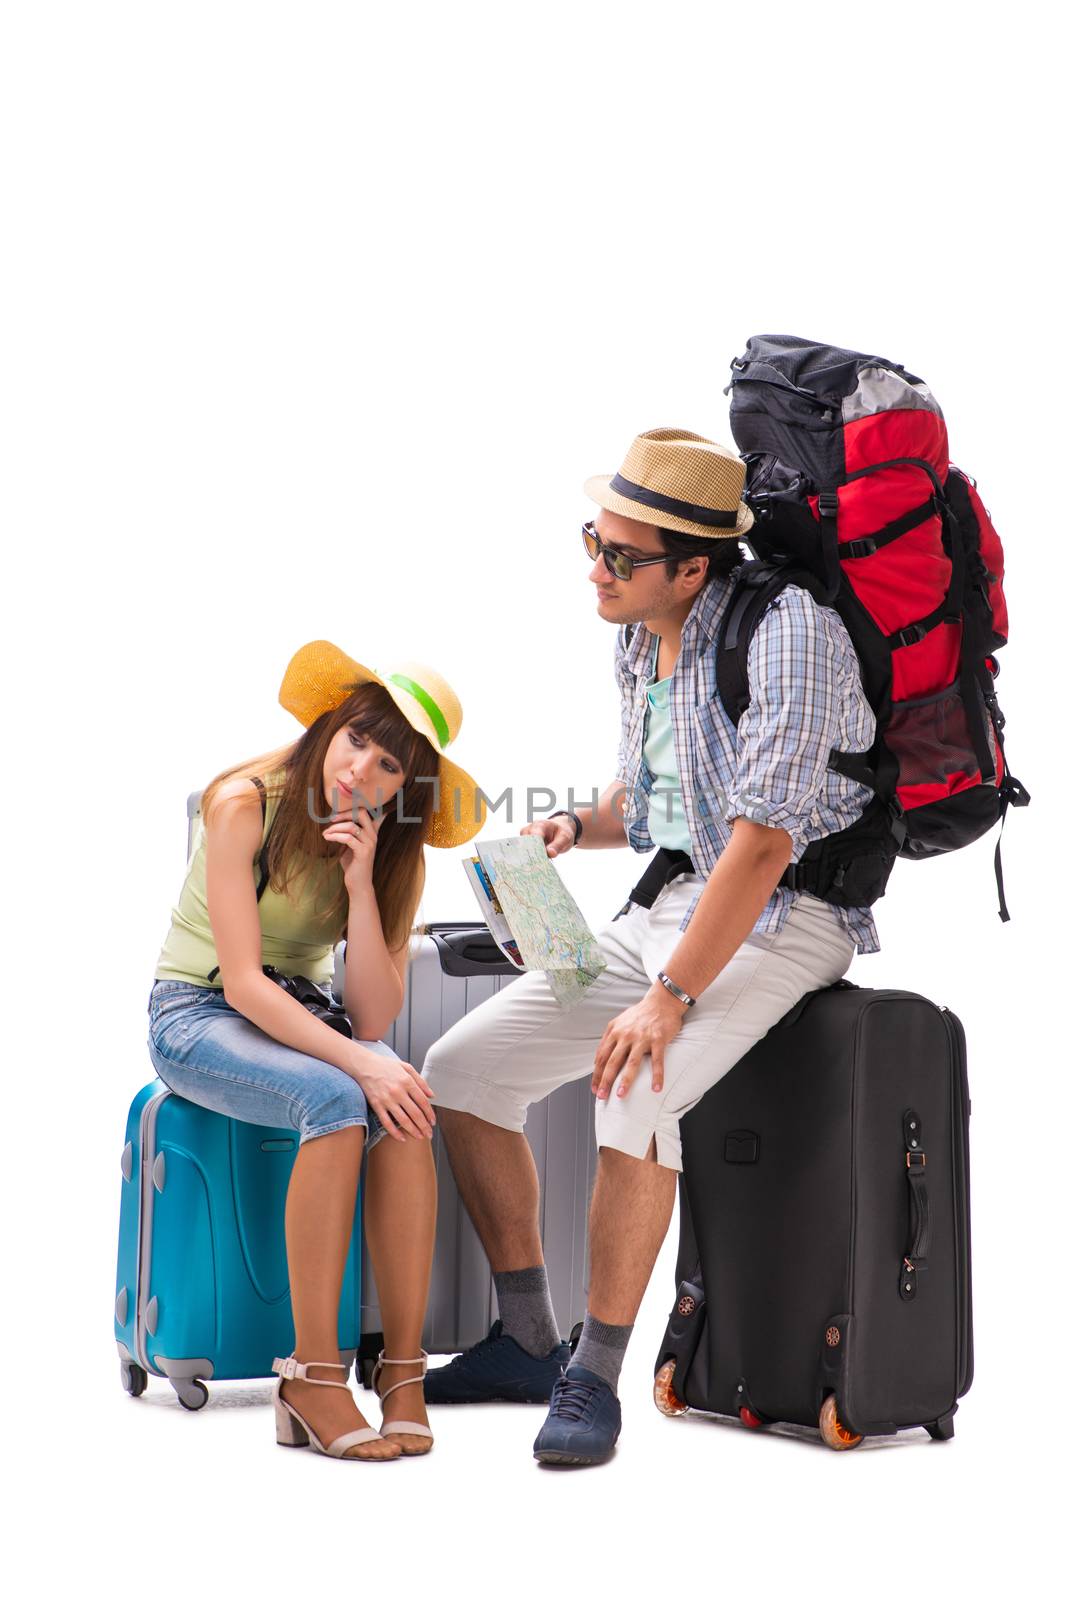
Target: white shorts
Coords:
[(519, 1045)]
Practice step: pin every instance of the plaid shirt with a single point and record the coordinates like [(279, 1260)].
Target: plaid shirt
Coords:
[(806, 699)]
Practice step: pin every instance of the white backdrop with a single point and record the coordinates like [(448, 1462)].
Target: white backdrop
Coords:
[(316, 318)]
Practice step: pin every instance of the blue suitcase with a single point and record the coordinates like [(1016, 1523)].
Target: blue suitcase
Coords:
[(202, 1286)]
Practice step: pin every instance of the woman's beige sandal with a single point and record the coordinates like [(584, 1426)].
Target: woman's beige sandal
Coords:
[(291, 1428), (417, 1430)]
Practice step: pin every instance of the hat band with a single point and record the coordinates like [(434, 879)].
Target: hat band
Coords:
[(431, 707), (675, 508)]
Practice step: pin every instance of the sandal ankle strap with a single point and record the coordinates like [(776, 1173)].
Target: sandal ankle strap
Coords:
[(398, 1361), (290, 1367)]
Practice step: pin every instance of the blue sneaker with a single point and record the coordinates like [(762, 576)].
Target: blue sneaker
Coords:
[(496, 1368), (583, 1422)]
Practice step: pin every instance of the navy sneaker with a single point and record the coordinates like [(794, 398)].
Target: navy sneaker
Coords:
[(496, 1368), (583, 1422)]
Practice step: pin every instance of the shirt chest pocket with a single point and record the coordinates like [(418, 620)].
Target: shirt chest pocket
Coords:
[(713, 753)]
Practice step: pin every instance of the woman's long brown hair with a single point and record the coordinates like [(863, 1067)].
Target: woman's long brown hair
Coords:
[(296, 837)]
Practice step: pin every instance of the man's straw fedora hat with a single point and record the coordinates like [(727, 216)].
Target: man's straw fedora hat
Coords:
[(678, 480), (320, 677)]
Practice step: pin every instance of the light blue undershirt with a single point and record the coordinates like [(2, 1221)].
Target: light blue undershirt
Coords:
[(667, 816)]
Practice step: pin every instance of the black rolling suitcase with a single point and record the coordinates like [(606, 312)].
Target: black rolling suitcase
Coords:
[(824, 1270)]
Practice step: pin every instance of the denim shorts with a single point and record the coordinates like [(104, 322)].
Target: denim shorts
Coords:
[(213, 1055)]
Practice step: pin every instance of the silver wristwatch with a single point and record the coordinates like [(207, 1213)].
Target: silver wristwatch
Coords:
[(673, 988)]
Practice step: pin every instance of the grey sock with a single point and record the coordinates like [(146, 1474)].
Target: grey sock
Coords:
[(526, 1309), (601, 1348)]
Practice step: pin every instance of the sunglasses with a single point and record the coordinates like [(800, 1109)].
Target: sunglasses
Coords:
[(618, 564)]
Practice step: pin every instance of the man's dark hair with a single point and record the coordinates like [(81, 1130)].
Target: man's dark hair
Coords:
[(723, 554)]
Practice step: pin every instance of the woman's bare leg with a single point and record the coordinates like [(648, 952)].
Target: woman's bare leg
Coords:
[(400, 1214), (320, 1204)]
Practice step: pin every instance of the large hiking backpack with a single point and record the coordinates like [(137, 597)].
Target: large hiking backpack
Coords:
[(854, 497)]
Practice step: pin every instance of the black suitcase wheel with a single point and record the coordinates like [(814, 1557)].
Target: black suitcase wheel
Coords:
[(573, 1337), (942, 1429), (134, 1379), (372, 1345), (832, 1431), (665, 1399)]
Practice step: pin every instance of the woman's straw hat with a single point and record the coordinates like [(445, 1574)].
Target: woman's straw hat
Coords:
[(678, 480), (320, 677)]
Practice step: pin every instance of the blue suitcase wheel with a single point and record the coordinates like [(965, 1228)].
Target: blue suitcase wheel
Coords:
[(191, 1393), (134, 1378)]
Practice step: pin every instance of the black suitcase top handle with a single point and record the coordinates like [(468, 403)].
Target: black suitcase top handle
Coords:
[(467, 949)]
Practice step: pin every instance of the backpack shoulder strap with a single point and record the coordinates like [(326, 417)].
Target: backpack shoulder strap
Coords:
[(759, 583), (747, 606)]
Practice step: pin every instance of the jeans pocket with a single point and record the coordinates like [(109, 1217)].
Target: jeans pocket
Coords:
[(167, 1003)]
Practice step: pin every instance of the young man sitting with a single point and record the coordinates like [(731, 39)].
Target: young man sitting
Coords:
[(695, 977)]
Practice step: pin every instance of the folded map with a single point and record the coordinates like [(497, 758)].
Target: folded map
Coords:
[(532, 916)]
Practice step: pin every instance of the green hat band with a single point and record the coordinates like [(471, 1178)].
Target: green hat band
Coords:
[(430, 706)]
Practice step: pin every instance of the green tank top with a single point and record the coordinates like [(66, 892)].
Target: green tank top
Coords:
[(293, 936)]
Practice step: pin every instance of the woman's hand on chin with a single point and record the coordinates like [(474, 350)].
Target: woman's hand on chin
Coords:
[(358, 835)]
